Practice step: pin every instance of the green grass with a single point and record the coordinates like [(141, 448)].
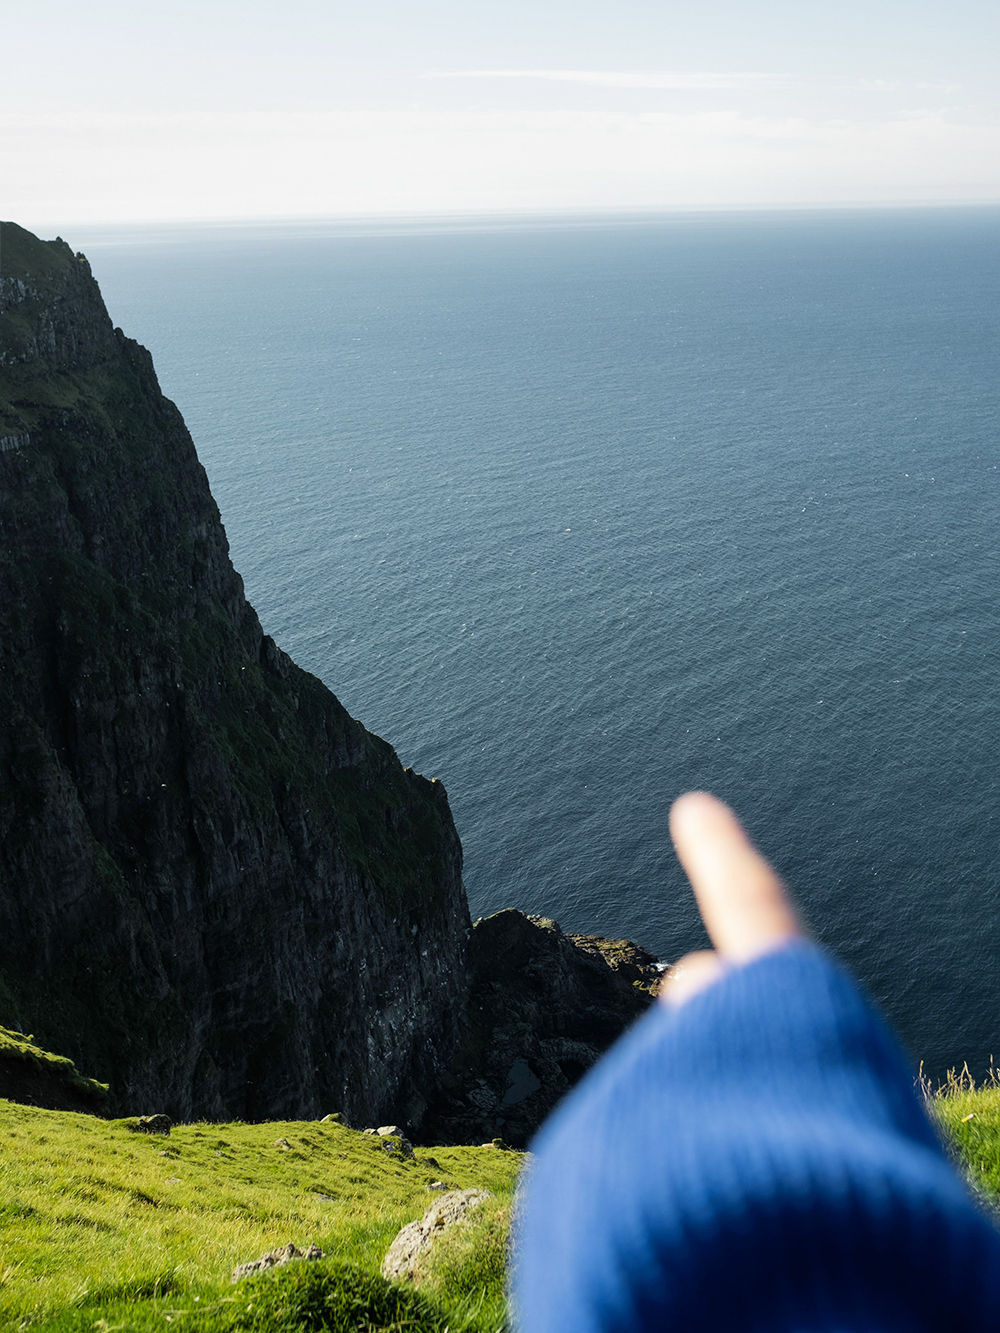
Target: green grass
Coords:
[(468, 1272), (103, 1228), (969, 1117), (106, 1230)]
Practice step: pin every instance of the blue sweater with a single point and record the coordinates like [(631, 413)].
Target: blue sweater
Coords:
[(757, 1159)]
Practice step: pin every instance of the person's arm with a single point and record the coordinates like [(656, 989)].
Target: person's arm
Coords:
[(752, 1155)]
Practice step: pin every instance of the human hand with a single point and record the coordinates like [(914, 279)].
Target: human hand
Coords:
[(742, 901)]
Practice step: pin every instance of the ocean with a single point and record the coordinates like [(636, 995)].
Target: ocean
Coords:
[(580, 514)]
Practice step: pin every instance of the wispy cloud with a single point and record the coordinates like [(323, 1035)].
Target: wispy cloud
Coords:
[(689, 80)]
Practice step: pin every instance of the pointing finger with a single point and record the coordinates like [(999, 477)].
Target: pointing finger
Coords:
[(693, 973), (741, 899)]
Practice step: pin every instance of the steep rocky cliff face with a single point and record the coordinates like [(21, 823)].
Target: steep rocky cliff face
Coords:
[(218, 892), (542, 1007)]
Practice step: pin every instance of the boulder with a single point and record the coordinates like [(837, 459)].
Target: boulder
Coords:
[(413, 1243)]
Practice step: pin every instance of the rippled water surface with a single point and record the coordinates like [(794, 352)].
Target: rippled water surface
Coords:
[(581, 516)]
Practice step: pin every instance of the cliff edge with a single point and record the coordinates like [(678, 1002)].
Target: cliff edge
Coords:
[(218, 891)]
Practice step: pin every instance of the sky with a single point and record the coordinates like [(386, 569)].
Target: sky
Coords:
[(139, 110)]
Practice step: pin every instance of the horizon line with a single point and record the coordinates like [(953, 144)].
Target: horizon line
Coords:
[(474, 219)]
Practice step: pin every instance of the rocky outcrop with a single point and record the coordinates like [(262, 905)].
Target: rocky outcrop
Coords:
[(286, 1254), (542, 1007), (218, 891)]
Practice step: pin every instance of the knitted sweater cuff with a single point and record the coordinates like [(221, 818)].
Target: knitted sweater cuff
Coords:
[(758, 1158)]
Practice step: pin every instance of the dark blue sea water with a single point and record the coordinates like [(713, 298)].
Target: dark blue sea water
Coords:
[(581, 516)]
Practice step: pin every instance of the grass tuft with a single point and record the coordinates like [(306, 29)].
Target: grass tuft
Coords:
[(325, 1297), (968, 1116)]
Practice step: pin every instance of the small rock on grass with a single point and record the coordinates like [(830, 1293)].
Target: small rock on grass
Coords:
[(273, 1258), (394, 1140), (152, 1124)]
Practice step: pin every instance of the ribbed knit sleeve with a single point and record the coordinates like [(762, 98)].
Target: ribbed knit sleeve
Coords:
[(757, 1159)]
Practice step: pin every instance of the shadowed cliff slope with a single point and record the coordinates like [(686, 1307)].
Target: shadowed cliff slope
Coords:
[(218, 891)]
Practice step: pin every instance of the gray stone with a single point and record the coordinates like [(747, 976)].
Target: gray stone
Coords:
[(415, 1241), (274, 1258)]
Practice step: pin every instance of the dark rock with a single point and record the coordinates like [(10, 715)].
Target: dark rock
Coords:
[(218, 892), (151, 1124), (543, 1006)]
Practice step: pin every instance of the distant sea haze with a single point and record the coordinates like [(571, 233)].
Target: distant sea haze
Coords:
[(582, 516)]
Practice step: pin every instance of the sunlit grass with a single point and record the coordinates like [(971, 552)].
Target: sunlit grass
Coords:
[(93, 1215), (969, 1116)]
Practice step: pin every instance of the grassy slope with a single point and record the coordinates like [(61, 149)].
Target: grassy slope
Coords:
[(100, 1223), (54, 1073), (970, 1119), (110, 1231)]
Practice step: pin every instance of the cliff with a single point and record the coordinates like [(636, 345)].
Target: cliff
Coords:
[(542, 1007), (218, 892)]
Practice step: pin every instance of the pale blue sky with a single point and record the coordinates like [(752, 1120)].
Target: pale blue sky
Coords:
[(120, 109)]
